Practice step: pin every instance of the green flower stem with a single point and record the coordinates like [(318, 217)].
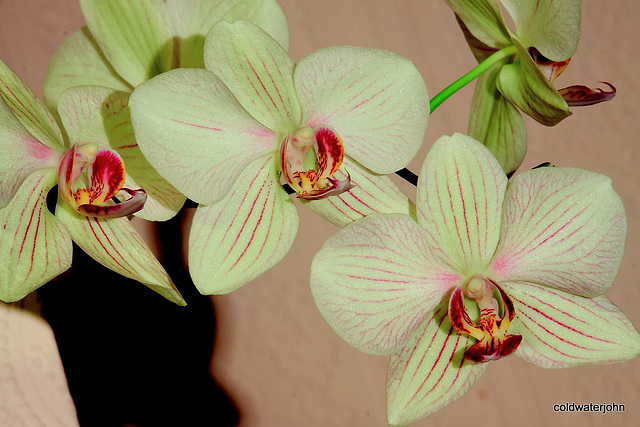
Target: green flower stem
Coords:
[(471, 76)]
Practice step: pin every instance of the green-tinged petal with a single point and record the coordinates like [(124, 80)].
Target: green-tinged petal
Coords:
[(195, 133), (116, 244), (101, 115), (484, 20), (375, 280), (376, 100), (192, 20), (496, 123), (371, 193), (429, 371), (553, 27), (135, 36), (560, 330), (562, 227), (522, 83), (459, 199), (29, 109), (235, 240), (34, 247), (21, 154), (258, 71), (480, 50), (77, 62)]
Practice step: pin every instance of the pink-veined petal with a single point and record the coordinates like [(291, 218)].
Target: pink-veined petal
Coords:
[(34, 247), (116, 244), (553, 27), (371, 193), (561, 330), (376, 100), (257, 70), (429, 371), (562, 227), (28, 109), (192, 20), (135, 36), (375, 281), (235, 240), (21, 154), (497, 123), (195, 133), (102, 115), (459, 200), (78, 62)]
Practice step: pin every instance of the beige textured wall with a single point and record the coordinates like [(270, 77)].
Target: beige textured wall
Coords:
[(279, 360)]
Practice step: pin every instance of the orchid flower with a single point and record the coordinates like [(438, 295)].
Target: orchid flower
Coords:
[(329, 125), (546, 36), (490, 268), (35, 245), (128, 42)]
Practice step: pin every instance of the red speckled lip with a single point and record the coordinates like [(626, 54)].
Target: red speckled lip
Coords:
[(491, 332), (318, 183), (106, 175)]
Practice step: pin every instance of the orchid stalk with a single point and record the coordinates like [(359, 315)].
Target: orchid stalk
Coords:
[(95, 192), (329, 126), (545, 37), (489, 268)]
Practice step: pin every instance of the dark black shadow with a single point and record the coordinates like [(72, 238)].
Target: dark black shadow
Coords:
[(131, 356)]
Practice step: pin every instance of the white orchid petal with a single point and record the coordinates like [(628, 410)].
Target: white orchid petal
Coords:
[(375, 280), (195, 133), (21, 155), (28, 109), (459, 199), (376, 100), (116, 244), (560, 330), (429, 372), (192, 20), (34, 247), (78, 62), (562, 227), (243, 235), (134, 36), (257, 70)]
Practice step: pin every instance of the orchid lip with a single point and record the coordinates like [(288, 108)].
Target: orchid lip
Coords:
[(309, 158), (580, 96), (491, 330), (105, 172)]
